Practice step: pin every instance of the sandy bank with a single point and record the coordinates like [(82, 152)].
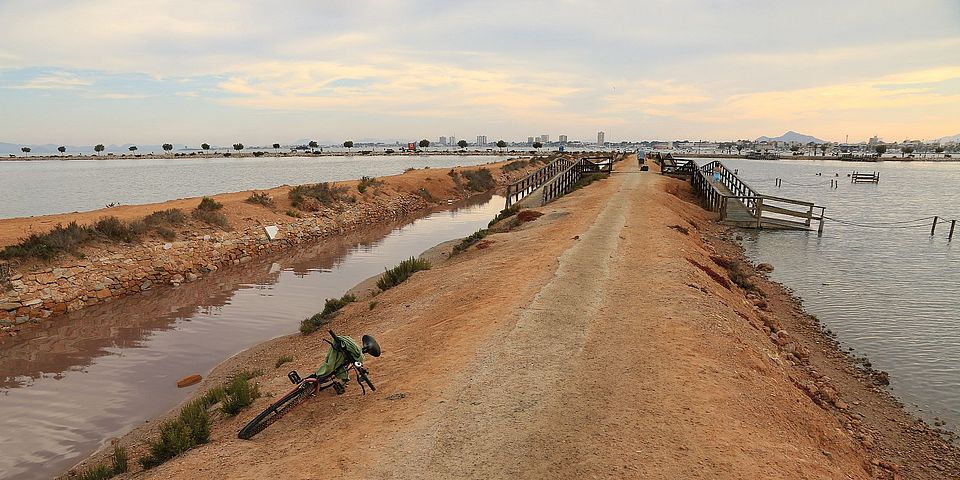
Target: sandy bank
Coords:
[(604, 339), (100, 271)]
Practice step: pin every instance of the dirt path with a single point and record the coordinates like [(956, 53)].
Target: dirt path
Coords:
[(581, 345)]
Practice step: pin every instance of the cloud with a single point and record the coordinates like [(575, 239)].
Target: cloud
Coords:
[(53, 81)]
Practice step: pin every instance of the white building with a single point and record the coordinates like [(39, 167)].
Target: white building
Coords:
[(443, 141), (563, 139), (544, 138), (481, 140), (601, 138)]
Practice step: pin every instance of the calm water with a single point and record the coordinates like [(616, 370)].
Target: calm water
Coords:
[(44, 187), (68, 388), (891, 294)]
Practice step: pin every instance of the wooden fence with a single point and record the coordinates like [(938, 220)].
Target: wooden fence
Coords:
[(516, 191)]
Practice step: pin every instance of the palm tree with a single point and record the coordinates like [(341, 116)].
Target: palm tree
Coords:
[(238, 147), (98, 148), (61, 149), (276, 147), (205, 146), (348, 145), (537, 145), (501, 145), (424, 143), (167, 147), (25, 150), (313, 144), (132, 148), (462, 144)]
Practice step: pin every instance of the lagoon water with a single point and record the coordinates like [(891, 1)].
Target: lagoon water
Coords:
[(52, 186), (68, 387), (892, 294)]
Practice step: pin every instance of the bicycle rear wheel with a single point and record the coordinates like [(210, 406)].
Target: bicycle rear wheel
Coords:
[(276, 410)]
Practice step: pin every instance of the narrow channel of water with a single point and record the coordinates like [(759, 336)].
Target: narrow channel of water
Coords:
[(70, 386), (892, 294), (52, 186)]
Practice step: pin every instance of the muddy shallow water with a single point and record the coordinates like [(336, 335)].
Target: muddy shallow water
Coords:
[(71, 385)]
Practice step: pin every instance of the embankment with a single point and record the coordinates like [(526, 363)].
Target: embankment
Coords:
[(99, 271), (618, 335)]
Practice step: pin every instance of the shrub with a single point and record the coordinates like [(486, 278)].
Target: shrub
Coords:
[(397, 275), (517, 165), (119, 462), (324, 193), (166, 233), (282, 360), (479, 180), (239, 394), (48, 245), (208, 204), (366, 182), (469, 241), (373, 304), (117, 230), (174, 439), (173, 217), (505, 213), (260, 198), (212, 217), (330, 307), (426, 195), (99, 472), (294, 214)]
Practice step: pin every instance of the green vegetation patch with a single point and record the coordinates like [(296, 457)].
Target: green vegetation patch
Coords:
[(260, 198), (479, 180), (330, 307), (504, 214), (366, 182), (324, 194), (282, 360), (399, 274), (469, 241), (192, 426)]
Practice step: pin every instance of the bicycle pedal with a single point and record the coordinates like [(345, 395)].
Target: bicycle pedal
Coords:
[(294, 377)]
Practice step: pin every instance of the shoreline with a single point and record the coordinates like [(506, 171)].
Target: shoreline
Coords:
[(235, 155), (868, 432), (103, 270)]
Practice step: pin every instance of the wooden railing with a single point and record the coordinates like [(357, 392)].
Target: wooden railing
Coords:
[(563, 183), (516, 191), (860, 177), (751, 206)]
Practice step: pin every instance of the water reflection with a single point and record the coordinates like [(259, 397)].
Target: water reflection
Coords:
[(83, 378)]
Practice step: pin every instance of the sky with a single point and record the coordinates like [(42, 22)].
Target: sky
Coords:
[(259, 72)]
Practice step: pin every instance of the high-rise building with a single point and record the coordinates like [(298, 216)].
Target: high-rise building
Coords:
[(453, 139), (530, 140), (544, 138), (563, 139), (443, 141), (481, 140), (601, 138)]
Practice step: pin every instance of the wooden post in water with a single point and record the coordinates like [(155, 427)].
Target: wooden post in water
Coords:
[(934, 227), (759, 211), (820, 228), (953, 224)]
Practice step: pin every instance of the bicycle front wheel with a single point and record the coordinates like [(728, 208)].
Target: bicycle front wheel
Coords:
[(276, 410)]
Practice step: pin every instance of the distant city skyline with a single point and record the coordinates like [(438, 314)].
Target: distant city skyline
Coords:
[(112, 71)]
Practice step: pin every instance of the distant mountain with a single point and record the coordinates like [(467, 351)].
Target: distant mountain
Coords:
[(954, 139), (791, 136)]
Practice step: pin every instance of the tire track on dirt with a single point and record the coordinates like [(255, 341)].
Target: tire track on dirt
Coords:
[(479, 433)]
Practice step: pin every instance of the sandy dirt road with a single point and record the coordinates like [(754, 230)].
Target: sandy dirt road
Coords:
[(581, 345)]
